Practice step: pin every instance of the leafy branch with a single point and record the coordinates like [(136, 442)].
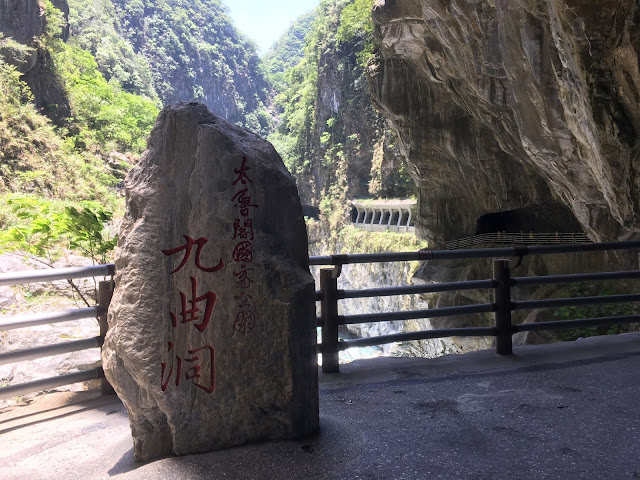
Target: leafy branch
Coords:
[(45, 230)]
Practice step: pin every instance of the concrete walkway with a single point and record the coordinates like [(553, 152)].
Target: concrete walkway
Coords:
[(563, 411)]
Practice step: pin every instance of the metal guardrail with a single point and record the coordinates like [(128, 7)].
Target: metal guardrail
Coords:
[(501, 307), (519, 251), (518, 239), (329, 295), (52, 275), (105, 291)]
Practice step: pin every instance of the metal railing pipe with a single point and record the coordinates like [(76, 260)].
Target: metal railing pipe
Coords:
[(410, 256), (415, 289), (571, 278), (502, 298), (416, 314), (49, 350), (570, 302), (37, 276), (46, 383), (39, 319), (330, 320), (424, 335), (582, 322), (579, 248), (471, 253)]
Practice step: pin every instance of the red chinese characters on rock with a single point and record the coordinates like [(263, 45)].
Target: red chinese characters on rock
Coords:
[(187, 254), (242, 173), (243, 230), (243, 253), (243, 278), (243, 201), (197, 359), (192, 314), (193, 371), (245, 321)]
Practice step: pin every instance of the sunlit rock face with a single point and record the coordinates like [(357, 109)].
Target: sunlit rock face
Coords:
[(509, 104), (215, 351)]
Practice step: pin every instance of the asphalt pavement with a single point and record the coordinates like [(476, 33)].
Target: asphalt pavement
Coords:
[(563, 411)]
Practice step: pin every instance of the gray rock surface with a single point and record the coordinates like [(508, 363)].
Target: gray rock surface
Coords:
[(515, 103), (21, 19), (7, 297), (212, 272), (25, 22)]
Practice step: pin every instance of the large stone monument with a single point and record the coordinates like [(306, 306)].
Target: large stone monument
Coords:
[(211, 338)]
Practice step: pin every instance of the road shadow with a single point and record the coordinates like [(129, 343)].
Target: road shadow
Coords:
[(53, 407)]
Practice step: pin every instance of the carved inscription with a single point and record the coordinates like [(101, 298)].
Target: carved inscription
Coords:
[(245, 321), (197, 310)]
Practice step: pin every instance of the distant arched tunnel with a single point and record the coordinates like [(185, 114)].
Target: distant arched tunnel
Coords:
[(389, 215)]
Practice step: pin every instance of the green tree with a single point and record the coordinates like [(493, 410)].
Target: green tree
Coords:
[(288, 50), (104, 114), (44, 230), (97, 30), (356, 27)]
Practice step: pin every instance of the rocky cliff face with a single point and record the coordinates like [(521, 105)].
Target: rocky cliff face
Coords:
[(25, 22), (22, 21), (515, 105), (330, 136)]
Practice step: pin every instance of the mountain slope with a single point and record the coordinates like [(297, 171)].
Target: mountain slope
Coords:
[(329, 135), (195, 53)]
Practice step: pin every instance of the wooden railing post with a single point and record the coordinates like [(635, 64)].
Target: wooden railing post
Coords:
[(105, 292), (329, 316), (502, 298)]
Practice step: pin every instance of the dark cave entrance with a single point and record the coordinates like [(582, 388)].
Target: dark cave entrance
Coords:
[(542, 218), (311, 212)]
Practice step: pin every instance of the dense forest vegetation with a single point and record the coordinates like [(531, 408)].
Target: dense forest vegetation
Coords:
[(176, 50), (72, 149), (79, 100)]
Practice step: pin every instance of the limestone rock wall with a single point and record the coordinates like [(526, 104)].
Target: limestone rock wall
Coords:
[(25, 21), (21, 19), (514, 103)]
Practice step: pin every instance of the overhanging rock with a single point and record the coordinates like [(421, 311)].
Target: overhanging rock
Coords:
[(211, 338)]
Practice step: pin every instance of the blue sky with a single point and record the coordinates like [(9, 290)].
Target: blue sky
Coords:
[(264, 21)]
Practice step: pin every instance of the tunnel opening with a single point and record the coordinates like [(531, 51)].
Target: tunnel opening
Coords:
[(310, 211), (541, 218), (354, 214)]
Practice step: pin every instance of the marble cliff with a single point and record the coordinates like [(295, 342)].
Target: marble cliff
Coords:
[(514, 113)]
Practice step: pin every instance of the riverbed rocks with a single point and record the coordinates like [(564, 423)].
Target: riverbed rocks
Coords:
[(212, 325)]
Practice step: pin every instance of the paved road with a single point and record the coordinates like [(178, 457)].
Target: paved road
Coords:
[(564, 411)]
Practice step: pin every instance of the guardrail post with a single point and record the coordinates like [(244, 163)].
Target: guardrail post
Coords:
[(105, 292), (329, 316), (502, 298)]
